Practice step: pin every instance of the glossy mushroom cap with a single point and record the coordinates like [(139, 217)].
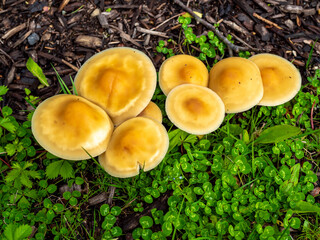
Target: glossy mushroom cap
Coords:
[(181, 69), (137, 143), (281, 79), (152, 111), (238, 82), (195, 109), (120, 80), (68, 126)]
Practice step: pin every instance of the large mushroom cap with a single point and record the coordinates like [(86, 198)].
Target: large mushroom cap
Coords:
[(137, 143), (181, 69), (152, 111), (68, 126), (238, 82), (120, 80), (195, 109), (281, 79)]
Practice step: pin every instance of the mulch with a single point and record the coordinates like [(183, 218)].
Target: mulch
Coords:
[(64, 34)]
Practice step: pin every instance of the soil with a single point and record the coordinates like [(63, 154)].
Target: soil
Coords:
[(64, 34)]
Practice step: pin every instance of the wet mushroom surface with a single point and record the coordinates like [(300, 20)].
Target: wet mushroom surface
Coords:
[(238, 82), (195, 109), (120, 80), (181, 69), (281, 79), (71, 127), (138, 143)]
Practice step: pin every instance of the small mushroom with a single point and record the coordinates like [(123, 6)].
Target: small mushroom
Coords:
[(181, 69), (281, 79), (238, 82), (137, 143), (120, 80), (195, 109), (152, 111), (68, 126)]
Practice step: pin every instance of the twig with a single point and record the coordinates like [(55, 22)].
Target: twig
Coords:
[(164, 22), (230, 45), (311, 115), (151, 32), (6, 163), (53, 58), (267, 21), (14, 30)]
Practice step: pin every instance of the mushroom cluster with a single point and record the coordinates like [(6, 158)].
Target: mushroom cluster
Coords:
[(113, 116), (197, 103), (114, 87)]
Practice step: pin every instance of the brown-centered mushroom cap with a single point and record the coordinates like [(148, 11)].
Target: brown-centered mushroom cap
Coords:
[(152, 111), (195, 109), (238, 82), (281, 79), (137, 143), (181, 69), (120, 80), (65, 125)]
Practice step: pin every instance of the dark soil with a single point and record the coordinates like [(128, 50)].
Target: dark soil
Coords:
[(64, 34)]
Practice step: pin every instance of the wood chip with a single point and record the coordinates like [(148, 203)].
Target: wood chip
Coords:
[(14, 30), (88, 41), (24, 37), (236, 27), (315, 191), (98, 199)]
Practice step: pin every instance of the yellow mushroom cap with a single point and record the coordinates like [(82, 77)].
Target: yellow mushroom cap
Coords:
[(281, 79), (195, 109), (152, 111), (68, 126), (238, 82), (180, 69), (120, 80), (137, 143)]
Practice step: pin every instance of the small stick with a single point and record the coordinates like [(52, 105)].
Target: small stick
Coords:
[(230, 45), (151, 32), (166, 21), (6, 163), (266, 21), (53, 58), (14, 30), (311, 117), (63, 4)]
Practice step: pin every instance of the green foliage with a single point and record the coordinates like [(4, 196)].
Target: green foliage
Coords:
[(59, 167), (3, 91), (278, 133), (250, 179), (17, 232), (36, 71), (20, 176), (110, 219), (209, 45)]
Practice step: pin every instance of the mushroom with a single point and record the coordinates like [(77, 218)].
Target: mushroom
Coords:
[(281, 79), (70, 127), (120, 80), (181, 69), (137, 143), (238, 82), (195, 109), (152, 111)]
